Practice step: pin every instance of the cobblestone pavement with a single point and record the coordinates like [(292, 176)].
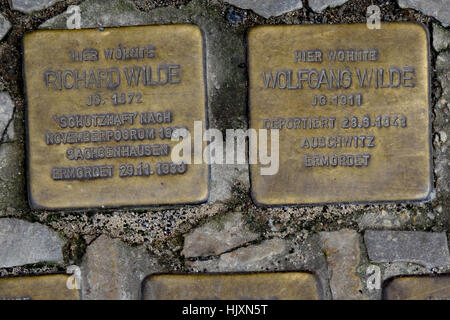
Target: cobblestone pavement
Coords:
[(340, 251)]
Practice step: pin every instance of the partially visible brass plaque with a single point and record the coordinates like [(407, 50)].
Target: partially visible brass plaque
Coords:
[(352, 108), (418, 288), (48, 287), (102, 106), (252, 286)]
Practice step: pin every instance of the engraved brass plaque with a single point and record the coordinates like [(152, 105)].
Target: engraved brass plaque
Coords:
[(352, 109), (102, 106), (47, 287), (252, 286), (418, 288)]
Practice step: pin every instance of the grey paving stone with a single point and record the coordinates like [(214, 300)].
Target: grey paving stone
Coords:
[(28, 6), (218, 236), (343, 256), (23, 242), (268, 8), (5, 25), (418, 288), (320, 5), (253, 257), (225, 51), (6, 111), (429, 249), (441, 37), (112, 270), (258, 257), (105, 13), (439, 9)]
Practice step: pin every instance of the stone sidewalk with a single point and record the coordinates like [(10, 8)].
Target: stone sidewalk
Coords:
[(348, 251)]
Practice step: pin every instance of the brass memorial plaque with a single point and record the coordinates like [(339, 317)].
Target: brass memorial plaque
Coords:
[(46, 287), (102, 106), (253, 286), (436, 287), (352, 108)]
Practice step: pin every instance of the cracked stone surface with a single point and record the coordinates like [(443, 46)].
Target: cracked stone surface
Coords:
[(429, 249), (343, 256), (104, 13), (5, 26), (112, 270), (218, 236), (10, 133), (259, 257), (12, 178), (320, 5), (6, 111), (441, 38), (28, 6), (22, 242), (268, 8), (439, 9), (396, 269)]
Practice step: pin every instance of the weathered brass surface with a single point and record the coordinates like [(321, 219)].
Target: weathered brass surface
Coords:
[(48, 287), (341, 139), (282, 286), (418, 288), (107, 143)]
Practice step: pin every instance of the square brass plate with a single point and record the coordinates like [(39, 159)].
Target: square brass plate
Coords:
[(352, 108), (101, 106)]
